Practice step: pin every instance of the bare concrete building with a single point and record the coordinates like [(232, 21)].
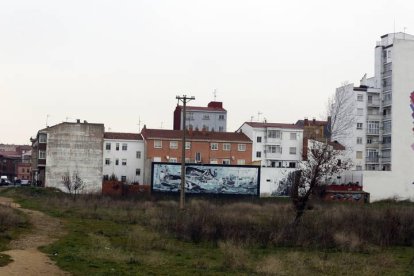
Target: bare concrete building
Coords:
[(74, 148)]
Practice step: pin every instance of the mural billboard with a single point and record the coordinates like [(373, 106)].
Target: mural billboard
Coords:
[(206, 179)]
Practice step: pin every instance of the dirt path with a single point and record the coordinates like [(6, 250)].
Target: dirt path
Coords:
[(27, 259)]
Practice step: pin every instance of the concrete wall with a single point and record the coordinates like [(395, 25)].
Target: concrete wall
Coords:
[(270, 180), (75, 148)]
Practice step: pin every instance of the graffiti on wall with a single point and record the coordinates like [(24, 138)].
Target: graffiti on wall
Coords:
[(412, 114)]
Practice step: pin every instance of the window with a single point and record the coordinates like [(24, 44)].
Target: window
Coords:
[(187, 145), (221, 117), (360, 111), (137, 171), (213, 161), (205, 127), (173, 145), (258, 154), (369, 141), (221, 129), (226, 161), (373, 127), (116, 162), (108, 146), (360, 98), (123, 178), (117, 146), (226, 147), (274, 149), (42, 138), (42, 154), (158, 144), (124, 146), (259, 139), (241, 147), (359, 125), (206, 117), (213, 146), (292, 164), (241, 162), (387, 126), (369, 99), (106, 177), (359, 155), (124, 162), (359, 140), (198, 157), (293, 136), (274, 134), (173, 160), (138, 155), (107, 161), (358, 168), (292, 150)]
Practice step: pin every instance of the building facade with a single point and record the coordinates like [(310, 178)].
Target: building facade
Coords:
[(74, 148), (386, 152), (210, 118), (204, 147), (123, 157), (274, 144)]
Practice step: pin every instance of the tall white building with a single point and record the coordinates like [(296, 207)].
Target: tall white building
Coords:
[(211, 118), (386, 126), (275, 145), (123, 157)]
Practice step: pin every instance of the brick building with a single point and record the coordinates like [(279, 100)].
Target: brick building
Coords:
[(204, 147)]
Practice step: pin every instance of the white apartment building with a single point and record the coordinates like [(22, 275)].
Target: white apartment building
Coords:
[(211, 118), (387, 152), (274, 144), (123, 156)]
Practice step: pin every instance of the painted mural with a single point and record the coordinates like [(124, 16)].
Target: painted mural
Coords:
[(412, 114), (206, 179)]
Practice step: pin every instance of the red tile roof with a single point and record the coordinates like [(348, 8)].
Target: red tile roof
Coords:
[(195, 135), (275, 125), (10, 154), (122, 136)]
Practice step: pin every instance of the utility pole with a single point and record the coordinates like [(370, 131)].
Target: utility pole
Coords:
[(184, 99)]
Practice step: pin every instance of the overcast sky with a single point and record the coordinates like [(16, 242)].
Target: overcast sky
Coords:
[(114, 62)]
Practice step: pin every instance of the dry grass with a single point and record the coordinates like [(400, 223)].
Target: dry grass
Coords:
[(234, 256)]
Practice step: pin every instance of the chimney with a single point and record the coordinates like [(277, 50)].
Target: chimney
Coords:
[(85, 122), (314, 120), (78, 121), (306, 122), (215, 104)]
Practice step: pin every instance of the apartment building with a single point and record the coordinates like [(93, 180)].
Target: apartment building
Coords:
[(383, 136), (275, 144), (210, 118), (123, 157), (68, 148), (204, 147)]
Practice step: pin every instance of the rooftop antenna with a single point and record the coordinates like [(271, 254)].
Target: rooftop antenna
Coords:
[(139, 123), (405, 28), (47, 119), (251, 118), (215, 94), (258, 116), (161, 124)]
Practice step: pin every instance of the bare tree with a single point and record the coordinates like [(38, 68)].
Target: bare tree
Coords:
[(73, 184), (323, 161), (341, 112)]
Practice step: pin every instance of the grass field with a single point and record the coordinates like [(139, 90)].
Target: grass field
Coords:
[(219, 237), (12, 224)]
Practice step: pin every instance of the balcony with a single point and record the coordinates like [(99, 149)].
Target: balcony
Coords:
[(387, 87), (374, 117), (372, 145), (372, 159), (386, 117), (374, 103), (387, 74), (386, 145), (373, 132), (386, 160)]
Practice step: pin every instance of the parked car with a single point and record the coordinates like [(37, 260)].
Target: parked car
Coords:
[(24, 182)]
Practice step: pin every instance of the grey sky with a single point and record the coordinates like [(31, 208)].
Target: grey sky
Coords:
[(112, 62)]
